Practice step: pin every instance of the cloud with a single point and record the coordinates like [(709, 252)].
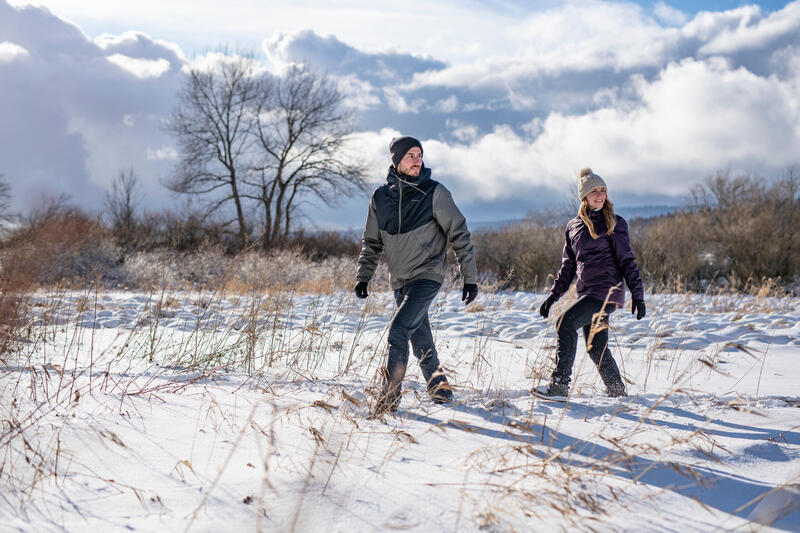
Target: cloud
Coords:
[(747, 30), (446, 105), (398, 103), (359, 94), (669, 15), (10, 51), (141, 68), (76, 111), (342, 59), (696, 117), (162, 153)]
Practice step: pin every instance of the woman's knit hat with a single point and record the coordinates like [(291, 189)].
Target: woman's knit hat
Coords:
[(587, 181)]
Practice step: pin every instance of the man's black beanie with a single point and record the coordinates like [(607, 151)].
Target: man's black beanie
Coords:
[(399, 147)]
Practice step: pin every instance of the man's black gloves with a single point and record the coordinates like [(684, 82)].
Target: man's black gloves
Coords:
[(544, 309), (361, 289), (469, 293), (637, 306)]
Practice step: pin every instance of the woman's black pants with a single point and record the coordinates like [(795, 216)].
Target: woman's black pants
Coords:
[(584, 314)]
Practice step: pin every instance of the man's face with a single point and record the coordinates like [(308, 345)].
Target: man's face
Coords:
[(411, 163)]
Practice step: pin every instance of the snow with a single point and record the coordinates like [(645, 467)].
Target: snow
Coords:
[(188, 411)]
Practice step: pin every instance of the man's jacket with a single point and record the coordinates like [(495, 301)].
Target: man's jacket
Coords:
[(410, 221), (600, 264)]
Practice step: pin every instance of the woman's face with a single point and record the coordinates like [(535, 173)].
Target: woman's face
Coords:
[(596, 198)]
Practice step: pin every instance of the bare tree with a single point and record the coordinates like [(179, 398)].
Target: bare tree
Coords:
[(5, 200), (303, 132), (212, 122), (121, 203)]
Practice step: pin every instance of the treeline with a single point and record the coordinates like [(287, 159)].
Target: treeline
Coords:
[(737, 232)]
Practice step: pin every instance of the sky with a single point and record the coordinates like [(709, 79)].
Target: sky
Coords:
[(509, 100)]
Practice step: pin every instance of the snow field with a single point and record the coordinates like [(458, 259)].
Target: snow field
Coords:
[(209, 412)]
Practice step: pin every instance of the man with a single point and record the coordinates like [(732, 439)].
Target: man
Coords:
[(411, 219)]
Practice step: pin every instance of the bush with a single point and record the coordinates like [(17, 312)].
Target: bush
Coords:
[(526, 254), (62, 246)]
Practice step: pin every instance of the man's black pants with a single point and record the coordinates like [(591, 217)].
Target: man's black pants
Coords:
[(410, 323)]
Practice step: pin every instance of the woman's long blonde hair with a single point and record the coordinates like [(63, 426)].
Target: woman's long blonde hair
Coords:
[(608, 212)]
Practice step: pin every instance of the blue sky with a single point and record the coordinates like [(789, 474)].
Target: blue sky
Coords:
[(509, 100)]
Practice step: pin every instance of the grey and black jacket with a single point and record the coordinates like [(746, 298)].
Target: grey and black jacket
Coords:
[(411, 220)]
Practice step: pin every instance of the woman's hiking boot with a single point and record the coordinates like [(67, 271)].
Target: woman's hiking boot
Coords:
[(556, 388)]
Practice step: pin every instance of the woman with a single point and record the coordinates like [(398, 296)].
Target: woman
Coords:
[(597, 249)]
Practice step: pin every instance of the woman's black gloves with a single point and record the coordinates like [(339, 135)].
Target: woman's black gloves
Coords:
[(361, 289), (637, 306), (544, 309)]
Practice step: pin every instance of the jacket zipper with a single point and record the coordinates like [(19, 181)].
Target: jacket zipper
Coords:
[(400, 208)]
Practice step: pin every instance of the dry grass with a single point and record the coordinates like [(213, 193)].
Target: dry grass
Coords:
[(535, 471)]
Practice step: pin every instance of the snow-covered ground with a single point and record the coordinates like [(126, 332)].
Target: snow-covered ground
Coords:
[(200, 412)]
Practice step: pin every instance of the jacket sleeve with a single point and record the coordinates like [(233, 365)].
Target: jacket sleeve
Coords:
[(454, 225), (623, 254), (371, 245), (568, 268)]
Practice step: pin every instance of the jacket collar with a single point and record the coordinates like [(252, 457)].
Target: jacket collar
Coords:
[(393, 177)]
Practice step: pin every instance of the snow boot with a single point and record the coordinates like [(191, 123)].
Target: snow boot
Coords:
[(442, 392), (612, 379), (555, 389), (439, 389), (616, 390)]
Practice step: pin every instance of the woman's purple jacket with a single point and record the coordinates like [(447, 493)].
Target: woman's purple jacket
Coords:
[(600, 264)]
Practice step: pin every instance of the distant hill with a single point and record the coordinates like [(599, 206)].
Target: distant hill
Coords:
[(645, 211)]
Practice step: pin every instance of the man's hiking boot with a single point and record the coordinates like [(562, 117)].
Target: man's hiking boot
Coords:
[(441, 393), (387, 403), (616, 390), (389, 397), (439, 389)]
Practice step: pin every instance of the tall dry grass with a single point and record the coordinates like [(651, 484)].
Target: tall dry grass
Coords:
[(737, 233)]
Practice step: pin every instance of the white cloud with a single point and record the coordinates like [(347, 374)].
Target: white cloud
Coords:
[(141, 68), (11, 51), (162, 153), (211, 60), (463, 132), (581, 37), (697, 117), (446, 105), (753, 31), (359, 94), (398, 103), (373, 152), (72, 117), (669, 14), (140, 45)]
